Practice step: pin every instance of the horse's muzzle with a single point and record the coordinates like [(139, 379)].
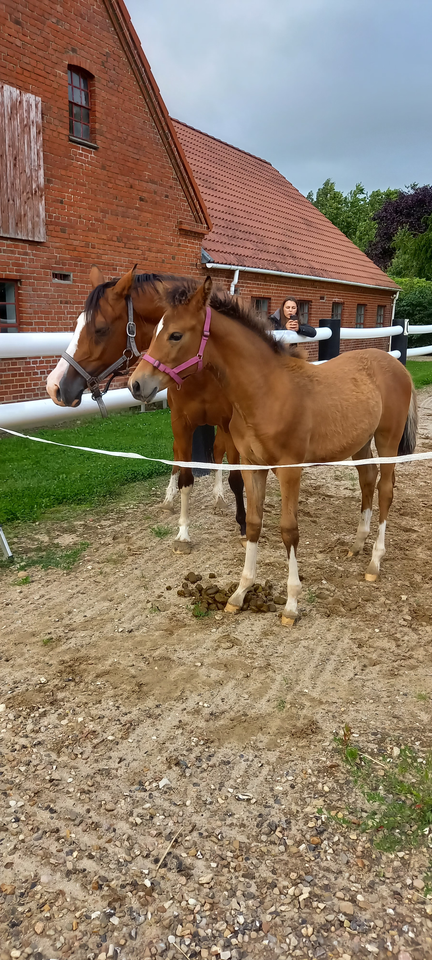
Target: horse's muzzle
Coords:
[(143, 388), (71, 388)]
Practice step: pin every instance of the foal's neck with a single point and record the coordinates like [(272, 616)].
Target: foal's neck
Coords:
[(242, 361)]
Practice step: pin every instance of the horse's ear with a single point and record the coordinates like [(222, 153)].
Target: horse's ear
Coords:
[(124, 285), (96, 276), (202, 296)]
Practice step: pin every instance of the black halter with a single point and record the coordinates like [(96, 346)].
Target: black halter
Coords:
[(130, 351)]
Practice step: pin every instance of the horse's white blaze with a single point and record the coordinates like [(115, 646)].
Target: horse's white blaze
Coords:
[(218, 486), (183, 533), (171, 489), (53, 378), (248, 575), (378, 550), (294, 586), (160, 326)]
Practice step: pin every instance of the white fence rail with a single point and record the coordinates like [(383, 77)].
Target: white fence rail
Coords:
[(13, 345)]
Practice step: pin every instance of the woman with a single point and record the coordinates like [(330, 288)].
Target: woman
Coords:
[(287, 317)]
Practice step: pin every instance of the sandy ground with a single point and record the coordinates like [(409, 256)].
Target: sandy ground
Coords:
[(127, 725)]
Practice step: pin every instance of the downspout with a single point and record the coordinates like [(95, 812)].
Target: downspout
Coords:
[(234, 282), (395, 296)]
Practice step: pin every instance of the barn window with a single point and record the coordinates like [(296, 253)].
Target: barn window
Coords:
[(79, 103), (8, 306), (261, 305), (22, 203), (380, 316), (360, 314), (304, 311), (337, 310)]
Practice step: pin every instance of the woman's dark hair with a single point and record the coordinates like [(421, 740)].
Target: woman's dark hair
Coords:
[(294, 300)]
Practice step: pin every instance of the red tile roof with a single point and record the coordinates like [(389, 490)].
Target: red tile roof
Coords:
[(261, 220)]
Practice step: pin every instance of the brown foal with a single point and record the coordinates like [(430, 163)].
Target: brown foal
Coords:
[(287, 411), (100, 339)]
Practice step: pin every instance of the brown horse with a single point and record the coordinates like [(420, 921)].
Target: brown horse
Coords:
[(286, 411), (100, 339)]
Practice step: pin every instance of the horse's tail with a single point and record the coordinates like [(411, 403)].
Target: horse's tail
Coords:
[(409, 436)]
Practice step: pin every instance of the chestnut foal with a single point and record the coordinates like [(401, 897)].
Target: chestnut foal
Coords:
[(286, 411)]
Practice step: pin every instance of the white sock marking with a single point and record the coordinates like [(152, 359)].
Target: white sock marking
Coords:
[(378, 550), (183, 533), (294, 585), (218, 486), (248, 575), (171, 489)]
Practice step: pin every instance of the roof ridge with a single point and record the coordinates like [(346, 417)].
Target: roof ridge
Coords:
[(225, 143)]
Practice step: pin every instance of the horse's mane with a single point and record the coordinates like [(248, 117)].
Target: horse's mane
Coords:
[(229, 306)]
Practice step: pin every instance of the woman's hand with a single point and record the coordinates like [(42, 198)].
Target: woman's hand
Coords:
[(292, 324)]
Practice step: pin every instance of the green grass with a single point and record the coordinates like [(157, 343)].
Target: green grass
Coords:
[(421, 372), (398, 794), (35, 477), (161, 531)]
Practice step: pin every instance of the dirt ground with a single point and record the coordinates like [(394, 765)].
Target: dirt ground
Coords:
[(129, 726)]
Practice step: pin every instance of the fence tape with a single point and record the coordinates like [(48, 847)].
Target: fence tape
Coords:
[(406, 458)]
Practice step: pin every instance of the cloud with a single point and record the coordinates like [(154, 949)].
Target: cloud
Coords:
[(320, 88)]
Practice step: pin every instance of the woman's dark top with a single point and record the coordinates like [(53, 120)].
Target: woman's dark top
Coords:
[(305, 330)]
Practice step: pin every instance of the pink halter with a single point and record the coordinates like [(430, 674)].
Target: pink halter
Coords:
[(188, 363)]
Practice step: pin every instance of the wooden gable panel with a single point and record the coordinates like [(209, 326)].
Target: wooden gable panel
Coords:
[(22, 201)]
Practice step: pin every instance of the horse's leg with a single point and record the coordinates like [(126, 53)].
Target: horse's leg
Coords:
[(236, 483), (385, 498), (367, 478), (289, 482), (255, 483), (171, 489), (183, 451), (218, 454)]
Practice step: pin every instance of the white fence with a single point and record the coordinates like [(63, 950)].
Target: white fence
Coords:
[(33, 413)]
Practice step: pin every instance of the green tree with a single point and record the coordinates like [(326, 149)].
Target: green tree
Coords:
[(351, 212), (415, 303), (413, 256)]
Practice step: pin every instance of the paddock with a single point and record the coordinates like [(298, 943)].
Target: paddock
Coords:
[(126, 719)]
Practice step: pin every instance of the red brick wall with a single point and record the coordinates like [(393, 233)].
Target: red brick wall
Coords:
[(113, 206)]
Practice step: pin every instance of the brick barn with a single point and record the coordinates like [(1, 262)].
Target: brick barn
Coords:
[(94, 170), (280, 243), (91, 169)]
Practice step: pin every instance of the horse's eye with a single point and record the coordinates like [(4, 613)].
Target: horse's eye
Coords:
[(175, 336), (101, 332)]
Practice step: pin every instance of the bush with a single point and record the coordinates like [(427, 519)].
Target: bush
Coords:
[(415, 302)]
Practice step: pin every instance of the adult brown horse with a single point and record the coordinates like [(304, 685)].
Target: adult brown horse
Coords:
[(286, 411), (101, 339)]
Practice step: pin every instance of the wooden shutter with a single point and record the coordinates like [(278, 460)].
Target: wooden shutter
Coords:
[(22, 202)]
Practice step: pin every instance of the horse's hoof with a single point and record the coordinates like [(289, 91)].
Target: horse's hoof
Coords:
[(371, 577), (219, 504), (167, 507), (231, 608), (243, 541), (182, 546), (287, 621), (350, 553)]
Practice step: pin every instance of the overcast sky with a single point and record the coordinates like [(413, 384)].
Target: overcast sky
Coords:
[(320, 88)]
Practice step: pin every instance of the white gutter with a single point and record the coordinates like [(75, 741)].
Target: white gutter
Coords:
[(296, 276), (395, 296)]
